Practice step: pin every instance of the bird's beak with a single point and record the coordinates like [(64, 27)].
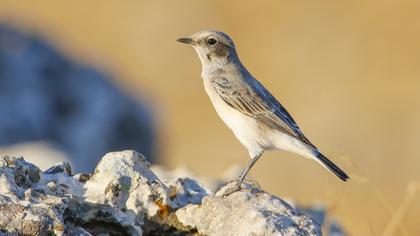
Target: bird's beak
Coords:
[(186, 40)]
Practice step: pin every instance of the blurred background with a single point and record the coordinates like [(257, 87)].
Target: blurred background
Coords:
[(83, 78)]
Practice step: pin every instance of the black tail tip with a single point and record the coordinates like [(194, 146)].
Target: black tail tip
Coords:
[(332, 167), (344, 177)]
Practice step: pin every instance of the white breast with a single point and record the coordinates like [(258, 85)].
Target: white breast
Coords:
[(244, 127), (255, 137)]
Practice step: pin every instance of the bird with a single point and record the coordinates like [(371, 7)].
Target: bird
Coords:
[(254, 115)]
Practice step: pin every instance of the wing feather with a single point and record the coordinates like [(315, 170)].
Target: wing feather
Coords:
[(257, 102)]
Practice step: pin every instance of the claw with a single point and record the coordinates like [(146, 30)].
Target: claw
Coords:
[(232, 189)]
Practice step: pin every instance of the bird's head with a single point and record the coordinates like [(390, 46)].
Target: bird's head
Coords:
[(212, 47)]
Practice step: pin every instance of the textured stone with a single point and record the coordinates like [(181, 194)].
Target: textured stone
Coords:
[(250, 211), (124, 197)]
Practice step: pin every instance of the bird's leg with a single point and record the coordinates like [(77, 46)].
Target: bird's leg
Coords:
[(247, 168), (241, 178)]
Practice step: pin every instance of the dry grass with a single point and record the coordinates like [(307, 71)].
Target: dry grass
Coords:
[(396, 224)]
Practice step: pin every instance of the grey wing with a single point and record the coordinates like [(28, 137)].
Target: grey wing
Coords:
[(257, 102)]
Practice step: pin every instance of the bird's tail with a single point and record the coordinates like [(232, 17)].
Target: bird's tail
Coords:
[(324, 161)]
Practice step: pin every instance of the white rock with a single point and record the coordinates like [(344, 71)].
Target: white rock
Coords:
[(185, 190), (124, 180), (250, 211), (123, 196)]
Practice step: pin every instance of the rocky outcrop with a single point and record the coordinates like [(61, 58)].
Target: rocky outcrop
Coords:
[(250, 211), (124, 197)]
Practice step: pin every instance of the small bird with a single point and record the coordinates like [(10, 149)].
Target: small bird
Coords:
[(254, 115)]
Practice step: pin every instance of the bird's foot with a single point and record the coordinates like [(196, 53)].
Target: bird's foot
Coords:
[(229, 188)]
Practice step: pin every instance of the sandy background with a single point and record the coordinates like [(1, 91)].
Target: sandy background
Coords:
[(347, 71)]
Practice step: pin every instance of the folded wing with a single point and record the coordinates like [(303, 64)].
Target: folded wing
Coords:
[(258, 103)]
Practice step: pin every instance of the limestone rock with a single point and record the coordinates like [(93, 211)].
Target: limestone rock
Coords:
[(124, 197), (250, 211)]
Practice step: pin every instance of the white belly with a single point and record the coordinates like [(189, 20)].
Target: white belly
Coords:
[(254, 136)]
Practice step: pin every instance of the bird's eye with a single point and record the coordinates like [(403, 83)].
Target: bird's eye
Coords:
[(211, 41)]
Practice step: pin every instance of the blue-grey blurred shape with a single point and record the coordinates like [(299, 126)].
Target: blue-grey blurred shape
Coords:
[(46, 96)]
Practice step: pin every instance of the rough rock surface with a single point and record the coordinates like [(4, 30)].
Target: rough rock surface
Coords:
[(124, 197), (247, 212)]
